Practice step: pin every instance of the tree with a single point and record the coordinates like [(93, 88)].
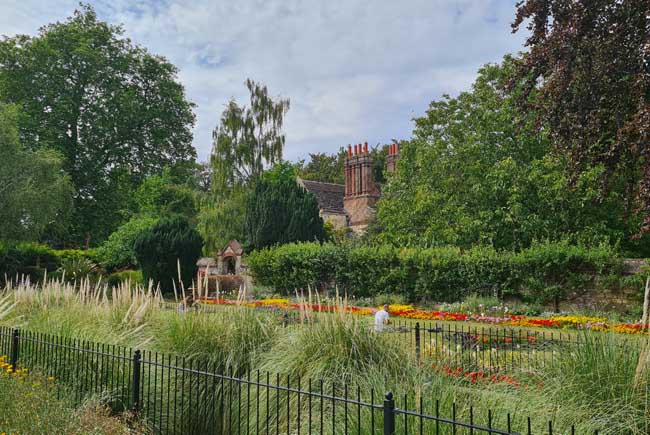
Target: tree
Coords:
[(588, 66), (221, 218), (329, 168), (159, 195), (169, 245), (279, 211), (114, 112), (248, 138), (35, 194), (118, 251), (478, 172)]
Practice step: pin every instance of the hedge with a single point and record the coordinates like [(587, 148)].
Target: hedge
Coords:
[(34, 260), (542, 272)]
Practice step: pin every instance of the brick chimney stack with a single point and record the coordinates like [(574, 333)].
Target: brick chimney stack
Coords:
[(361, 193), (391, 159)]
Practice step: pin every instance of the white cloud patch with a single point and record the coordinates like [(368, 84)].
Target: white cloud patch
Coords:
[(354, 70)]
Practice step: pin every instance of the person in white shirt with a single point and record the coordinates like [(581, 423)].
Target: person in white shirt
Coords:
[(381, 318)]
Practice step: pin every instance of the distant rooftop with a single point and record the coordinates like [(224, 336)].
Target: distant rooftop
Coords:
[(329, 195)]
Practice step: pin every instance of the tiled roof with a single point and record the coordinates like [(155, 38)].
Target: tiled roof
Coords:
[(234, 246), (329, 195)]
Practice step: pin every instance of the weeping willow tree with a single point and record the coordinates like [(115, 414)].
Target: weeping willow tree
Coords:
[(247, 139)]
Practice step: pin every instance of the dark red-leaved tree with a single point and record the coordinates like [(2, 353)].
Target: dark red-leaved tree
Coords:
[(590, 62)]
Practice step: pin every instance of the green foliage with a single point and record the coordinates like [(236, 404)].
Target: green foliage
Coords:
[(169, 245), (329, 168), (118, 251), (434, 274), (35, 404), (279, 211), (221, 218), (477, 172), (248, 138), (35, 260), (114, 112), (588, 85), (159, 195), (78, 269), (134, 277), (34, 193)]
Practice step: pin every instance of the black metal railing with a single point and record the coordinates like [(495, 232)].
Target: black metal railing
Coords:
[(175, 395)]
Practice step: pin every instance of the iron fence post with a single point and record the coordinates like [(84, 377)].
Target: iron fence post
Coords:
[(137, 363), (417, 342), (15, 337), (389, 414)]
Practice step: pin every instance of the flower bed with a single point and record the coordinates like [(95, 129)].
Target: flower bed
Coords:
[(410, 312)]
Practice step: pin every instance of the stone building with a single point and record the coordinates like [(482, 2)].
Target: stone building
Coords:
[(228, 261), (352, 205)]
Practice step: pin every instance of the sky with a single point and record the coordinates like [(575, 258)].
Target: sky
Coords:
[(354, 70)]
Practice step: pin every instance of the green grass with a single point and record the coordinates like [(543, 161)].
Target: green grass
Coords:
[(591, 387), (29, 405)]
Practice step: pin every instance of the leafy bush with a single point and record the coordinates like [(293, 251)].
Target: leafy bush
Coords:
[(540, 273), (132, 276), (117, 251), (34, 260), (77, 269), (171, 243)]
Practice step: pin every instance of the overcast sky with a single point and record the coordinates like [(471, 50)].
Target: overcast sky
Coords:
[(355, 71)]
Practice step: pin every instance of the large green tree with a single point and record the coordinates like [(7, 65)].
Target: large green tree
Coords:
[(246, 140), (279, 211), (35, 193), (477, 171), (588, 66), (114, 112)]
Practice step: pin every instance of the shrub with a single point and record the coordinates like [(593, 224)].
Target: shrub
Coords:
[(34, 260), (132, 276), (117, 251), (541, 273), (169, 245), (77, 269)]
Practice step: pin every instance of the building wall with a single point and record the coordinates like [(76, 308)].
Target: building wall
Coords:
[(337, 220), (360, 210)]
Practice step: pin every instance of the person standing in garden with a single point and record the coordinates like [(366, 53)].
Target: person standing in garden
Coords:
[(382, 318)]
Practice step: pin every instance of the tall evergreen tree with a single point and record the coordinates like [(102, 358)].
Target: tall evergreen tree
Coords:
[(279, 211)]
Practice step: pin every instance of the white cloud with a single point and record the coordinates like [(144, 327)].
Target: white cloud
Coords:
[(355, 70)]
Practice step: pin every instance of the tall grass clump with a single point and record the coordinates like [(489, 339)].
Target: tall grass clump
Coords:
[(95, 312)]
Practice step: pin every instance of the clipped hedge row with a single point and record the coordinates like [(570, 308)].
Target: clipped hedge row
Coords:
[(34, 260), (542, 272)]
